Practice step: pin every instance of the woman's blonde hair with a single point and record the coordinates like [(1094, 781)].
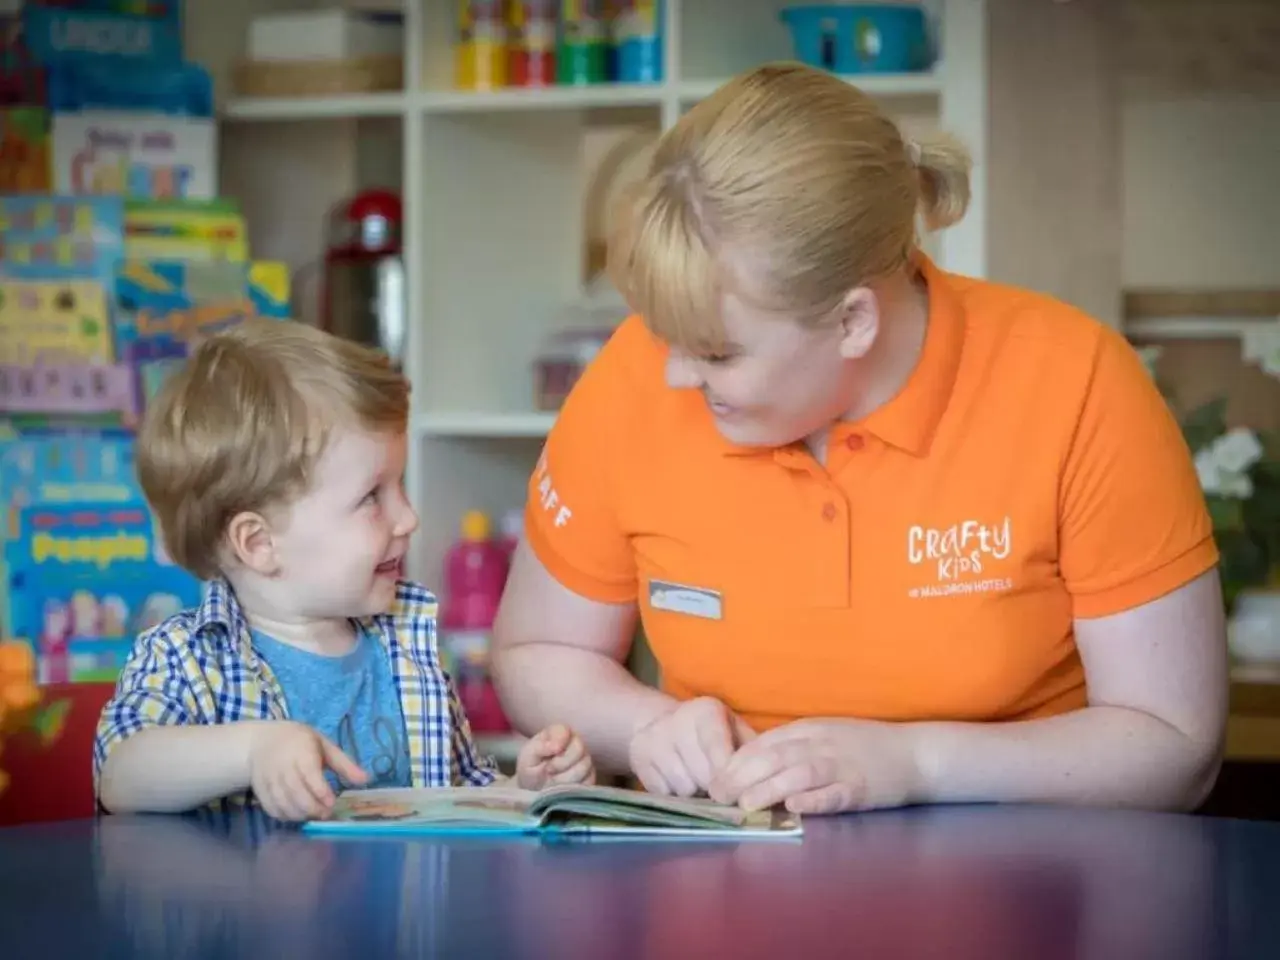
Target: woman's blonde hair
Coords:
[(801, 173)]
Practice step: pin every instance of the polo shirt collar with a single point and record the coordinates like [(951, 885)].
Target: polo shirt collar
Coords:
[(910, 419), (219, 617)]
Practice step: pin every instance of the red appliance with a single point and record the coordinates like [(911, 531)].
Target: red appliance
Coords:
[(363, 296)]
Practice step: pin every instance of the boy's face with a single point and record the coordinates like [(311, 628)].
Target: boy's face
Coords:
[(339, 548)]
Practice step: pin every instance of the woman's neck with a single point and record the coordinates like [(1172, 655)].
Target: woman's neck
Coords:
[(904, 320)]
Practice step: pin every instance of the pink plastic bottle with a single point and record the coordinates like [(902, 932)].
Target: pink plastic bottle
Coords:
[(475, 570)]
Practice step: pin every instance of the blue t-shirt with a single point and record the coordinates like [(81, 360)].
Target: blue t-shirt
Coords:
[(351, 699)]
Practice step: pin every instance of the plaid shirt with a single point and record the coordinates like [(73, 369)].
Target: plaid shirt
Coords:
[(199, 667)]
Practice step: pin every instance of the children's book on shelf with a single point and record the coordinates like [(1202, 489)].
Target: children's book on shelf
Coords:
[(157, 155), (185, 230), (25, 165), (85, 578), (164, 307), (116, 31), (58, 238), (58, 467), (568, 811)]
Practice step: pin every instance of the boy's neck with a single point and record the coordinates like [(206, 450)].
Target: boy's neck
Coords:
[(323, 635)]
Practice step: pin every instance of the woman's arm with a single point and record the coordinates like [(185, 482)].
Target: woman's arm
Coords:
[(558, 658), (1152, 735)]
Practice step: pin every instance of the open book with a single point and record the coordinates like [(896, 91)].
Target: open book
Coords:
[(568, 810)]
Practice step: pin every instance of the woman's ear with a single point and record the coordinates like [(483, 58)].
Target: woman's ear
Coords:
[(252, 545), (859, 322)]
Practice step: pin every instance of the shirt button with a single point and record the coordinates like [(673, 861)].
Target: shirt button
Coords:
[(854, 441), (829, 511)]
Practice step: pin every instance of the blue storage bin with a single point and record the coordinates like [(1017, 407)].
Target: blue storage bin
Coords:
[(860, 37)]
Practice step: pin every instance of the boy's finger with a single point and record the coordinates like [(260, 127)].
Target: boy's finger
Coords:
[(581, 772), (341, 764), (311, 778), (566, 758)]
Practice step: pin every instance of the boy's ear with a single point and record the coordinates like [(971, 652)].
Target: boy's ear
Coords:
[(249, 536)]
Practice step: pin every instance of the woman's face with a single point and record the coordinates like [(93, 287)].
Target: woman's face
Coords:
[(778, 381)]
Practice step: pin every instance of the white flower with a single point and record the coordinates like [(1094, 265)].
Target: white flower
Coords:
[(1223, 465), (1237, 450)]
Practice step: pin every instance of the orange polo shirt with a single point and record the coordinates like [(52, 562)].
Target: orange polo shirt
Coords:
[(1029, 473)]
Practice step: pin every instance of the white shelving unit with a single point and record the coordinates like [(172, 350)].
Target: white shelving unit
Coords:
[(493, 186)]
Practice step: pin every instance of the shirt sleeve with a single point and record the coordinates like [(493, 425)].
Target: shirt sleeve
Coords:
[(571, 515), (152, 691), (471, 768), (1134, 524)]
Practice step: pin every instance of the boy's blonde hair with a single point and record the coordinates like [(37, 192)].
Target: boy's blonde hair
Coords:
[(241, 425), (802, 173)]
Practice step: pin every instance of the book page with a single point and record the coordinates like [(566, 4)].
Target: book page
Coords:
[(701, 808), (495, 806)]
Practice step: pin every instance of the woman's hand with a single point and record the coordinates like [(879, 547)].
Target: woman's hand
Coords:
[(823, 766), (683, 750), (555, 755)]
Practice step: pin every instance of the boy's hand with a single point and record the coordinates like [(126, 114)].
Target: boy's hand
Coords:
[(554, 755), (287, 761)]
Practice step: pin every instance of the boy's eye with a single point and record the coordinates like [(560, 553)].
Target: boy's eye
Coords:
[(718, 358), (371, 496)]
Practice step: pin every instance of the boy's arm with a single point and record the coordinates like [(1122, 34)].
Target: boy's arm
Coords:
[(172, 769), (153, 751)]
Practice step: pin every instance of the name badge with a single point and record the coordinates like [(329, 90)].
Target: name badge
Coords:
[(679, 598)]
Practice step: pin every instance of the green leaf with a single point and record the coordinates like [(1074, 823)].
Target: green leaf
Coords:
[(1226, 513), (51, 719), (1205, 424)]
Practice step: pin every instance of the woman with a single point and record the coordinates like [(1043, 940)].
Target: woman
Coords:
[(896, 536)]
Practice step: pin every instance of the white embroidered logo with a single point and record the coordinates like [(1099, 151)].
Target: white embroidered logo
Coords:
[(548, 497), (959, 555)]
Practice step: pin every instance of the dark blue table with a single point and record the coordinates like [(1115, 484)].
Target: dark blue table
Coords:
[(972, 882)]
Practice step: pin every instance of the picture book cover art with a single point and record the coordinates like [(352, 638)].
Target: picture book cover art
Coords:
[(57, 238), (84, 579), (164, 307), (59, 467), (54, 322), (573, 810), (185, 230), (158, 155)]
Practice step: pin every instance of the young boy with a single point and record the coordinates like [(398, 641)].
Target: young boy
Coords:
[(274, 462)]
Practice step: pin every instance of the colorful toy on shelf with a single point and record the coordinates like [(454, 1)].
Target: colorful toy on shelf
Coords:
[(85, 579), (531, 53), (637, 39), (583, 49), (25, 165), (480, 55)]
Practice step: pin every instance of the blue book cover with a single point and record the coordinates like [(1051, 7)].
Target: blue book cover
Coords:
[(85, 579), (104, 30)]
